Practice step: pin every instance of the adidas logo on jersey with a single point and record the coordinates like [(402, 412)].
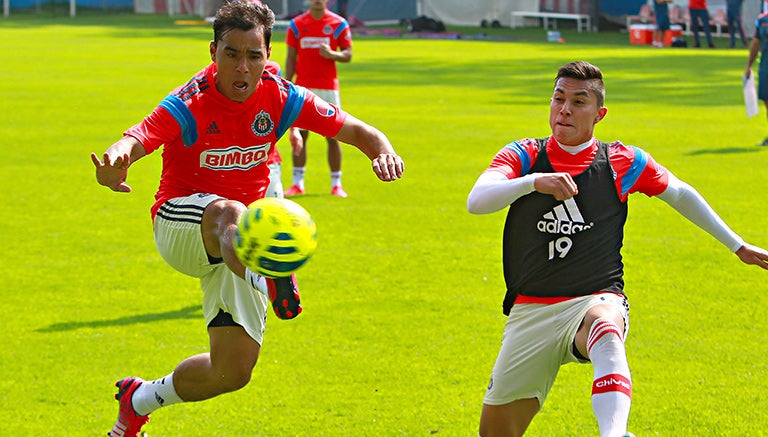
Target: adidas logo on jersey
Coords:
[(563, 219), (213, 128)]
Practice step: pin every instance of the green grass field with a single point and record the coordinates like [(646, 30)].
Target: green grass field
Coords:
[(402, 300)]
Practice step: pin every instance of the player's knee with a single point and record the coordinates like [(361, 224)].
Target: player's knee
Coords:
[(222, 212), (234, 380), (220, 215), (240, 380)]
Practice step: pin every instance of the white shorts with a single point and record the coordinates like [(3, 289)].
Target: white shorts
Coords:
[(537, 340), (179, 240), (330, 96)]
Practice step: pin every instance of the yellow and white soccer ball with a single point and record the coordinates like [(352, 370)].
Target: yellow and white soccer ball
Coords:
[(275, 237)]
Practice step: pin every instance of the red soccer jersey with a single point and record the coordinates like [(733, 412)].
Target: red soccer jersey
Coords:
[(306, 34), (634, 169), (215, 145), (697, 4)]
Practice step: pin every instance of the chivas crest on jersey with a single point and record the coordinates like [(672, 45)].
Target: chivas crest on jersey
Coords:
[(262, 124)]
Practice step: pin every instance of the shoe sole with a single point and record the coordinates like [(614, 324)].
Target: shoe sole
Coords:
[(285, 301)]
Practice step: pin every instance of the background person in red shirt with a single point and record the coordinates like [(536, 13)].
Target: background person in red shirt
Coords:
[(700, 20), (275, 188), (317, 40)]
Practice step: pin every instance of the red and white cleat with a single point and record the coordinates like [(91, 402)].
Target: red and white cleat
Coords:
[(128, 422), (294, 190), (338, 191)]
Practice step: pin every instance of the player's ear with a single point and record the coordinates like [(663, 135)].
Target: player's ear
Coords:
[(601, 114), (269, 52), (212, 49)]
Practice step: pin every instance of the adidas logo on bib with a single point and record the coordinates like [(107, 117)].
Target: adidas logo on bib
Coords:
[(563, 219)]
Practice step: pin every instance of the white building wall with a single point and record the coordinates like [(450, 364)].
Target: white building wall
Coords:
[(471, 13)]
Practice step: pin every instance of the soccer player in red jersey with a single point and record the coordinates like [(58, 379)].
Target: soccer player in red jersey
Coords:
[(217, 131), (567, 204), (317, 40)]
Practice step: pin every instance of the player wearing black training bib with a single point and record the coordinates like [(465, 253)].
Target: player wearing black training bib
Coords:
[(571, 247), (567, 200)]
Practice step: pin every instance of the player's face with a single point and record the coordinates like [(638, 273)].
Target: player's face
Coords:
[(317, 5), (240, 57), (573, 111)]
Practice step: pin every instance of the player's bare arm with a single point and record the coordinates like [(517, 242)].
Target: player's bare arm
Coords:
[(343, 55), (387, 165), (559, 185), (290, 63), (754, 49), (296, 140), (112, 169)]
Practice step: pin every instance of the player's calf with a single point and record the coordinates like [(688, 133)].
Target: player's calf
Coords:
[(612, 384)]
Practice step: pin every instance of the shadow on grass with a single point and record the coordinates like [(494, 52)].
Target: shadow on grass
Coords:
[(190, 312), (726, 150)]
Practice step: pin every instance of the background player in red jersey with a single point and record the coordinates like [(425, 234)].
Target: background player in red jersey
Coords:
[(562, 262), (274, 162), (216, 132), (317, 40)]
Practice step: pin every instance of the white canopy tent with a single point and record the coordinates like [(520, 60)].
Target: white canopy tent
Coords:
[(464, 13)]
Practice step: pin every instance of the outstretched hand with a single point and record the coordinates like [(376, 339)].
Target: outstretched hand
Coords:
[(749, 254), (388, 167), (111, 173)]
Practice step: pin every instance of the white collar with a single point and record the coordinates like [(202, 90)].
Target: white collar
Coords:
[(576, 149)]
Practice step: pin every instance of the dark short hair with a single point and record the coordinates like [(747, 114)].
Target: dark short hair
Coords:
[(243, 15), (582, 70)]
